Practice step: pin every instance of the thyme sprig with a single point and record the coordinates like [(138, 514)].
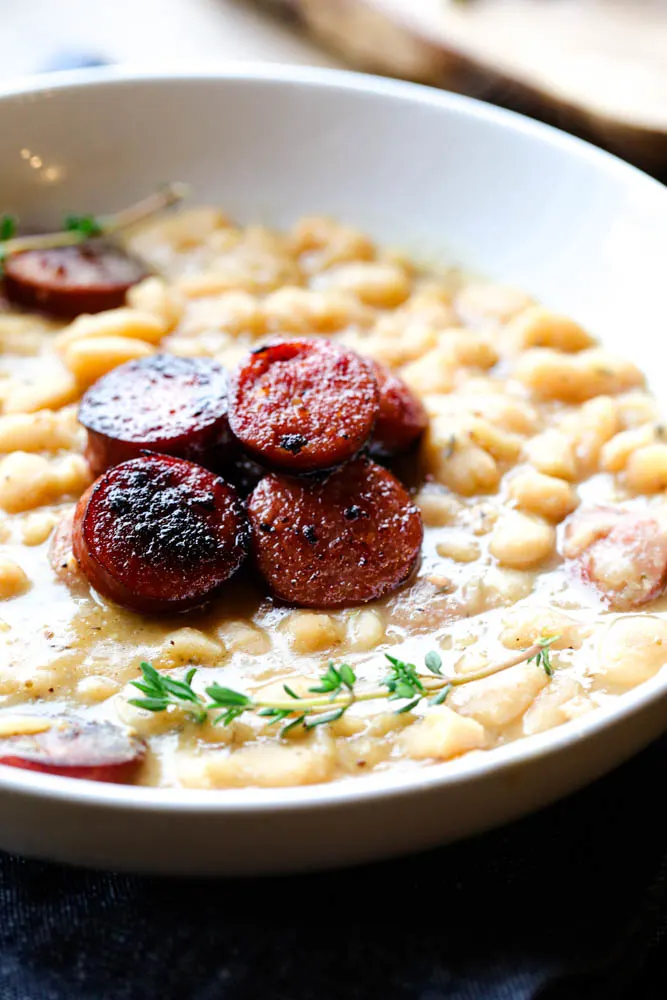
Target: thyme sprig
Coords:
[(79, 228), (329, 699), (543, 657)]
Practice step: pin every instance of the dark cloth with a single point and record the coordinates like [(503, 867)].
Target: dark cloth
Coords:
[(569, 904)]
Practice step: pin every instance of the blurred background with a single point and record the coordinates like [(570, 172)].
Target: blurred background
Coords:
[(38, 34), (595, 67)]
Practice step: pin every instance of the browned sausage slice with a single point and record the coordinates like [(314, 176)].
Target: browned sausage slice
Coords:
[(159, 534), (67, 281), (401, 419), (347, 540), (303, 405), (618, 553), (163, 403), (75, 748)]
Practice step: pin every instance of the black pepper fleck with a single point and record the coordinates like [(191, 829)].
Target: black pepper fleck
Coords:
[(293, 443), (354, 512)]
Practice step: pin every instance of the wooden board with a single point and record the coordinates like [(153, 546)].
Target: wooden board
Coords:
[(597, 67)]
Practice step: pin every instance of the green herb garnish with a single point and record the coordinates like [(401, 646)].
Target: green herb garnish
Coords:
[(86, 225), (79, 228), (543, 657), (335, 692), (7, 227)]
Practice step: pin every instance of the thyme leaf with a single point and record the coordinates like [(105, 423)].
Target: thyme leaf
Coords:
[(7, 227), (86, 225), (433, 662), (542, 657), (325, 717), (441, 695)]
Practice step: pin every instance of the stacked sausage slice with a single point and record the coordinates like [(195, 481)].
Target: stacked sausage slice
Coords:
[(161, 530)]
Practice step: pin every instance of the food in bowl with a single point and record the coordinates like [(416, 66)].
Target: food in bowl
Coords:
[(197, 483)]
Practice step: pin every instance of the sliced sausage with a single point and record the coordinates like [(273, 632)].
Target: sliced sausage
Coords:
[(344, 541), (618, 553), (177, 406), (159, 534), (401, 418), (303, 405), (66, 281), (76, 748)]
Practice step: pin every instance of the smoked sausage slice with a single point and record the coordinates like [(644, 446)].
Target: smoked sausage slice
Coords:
[(66, 281), (303, 405), (401, 418), (174, 405), (76, 748), (159, 534), (344, 541), (618, 553)]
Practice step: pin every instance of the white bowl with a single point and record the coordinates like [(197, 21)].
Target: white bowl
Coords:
[(440, 175)]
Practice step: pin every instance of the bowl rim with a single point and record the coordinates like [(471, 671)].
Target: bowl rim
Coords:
[(381, 785)]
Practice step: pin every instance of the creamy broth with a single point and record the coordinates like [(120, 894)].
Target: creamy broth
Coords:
[(529, 419)]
